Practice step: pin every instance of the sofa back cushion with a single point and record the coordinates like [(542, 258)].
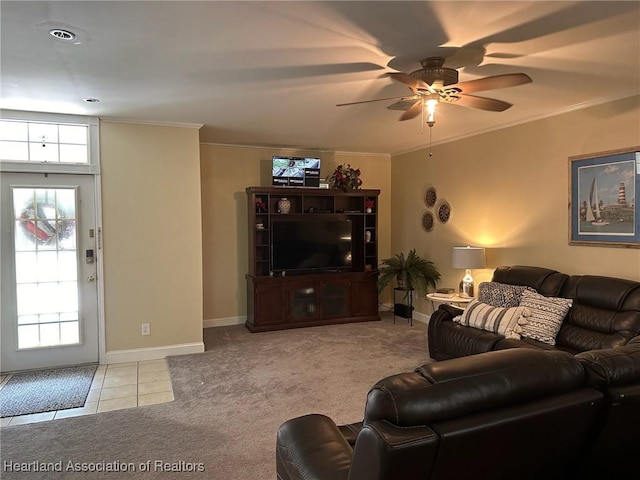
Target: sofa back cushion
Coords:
[(544, 280), (605, 312), (453, 388)]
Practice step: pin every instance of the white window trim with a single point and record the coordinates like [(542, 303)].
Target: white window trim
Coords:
[(91, 168)]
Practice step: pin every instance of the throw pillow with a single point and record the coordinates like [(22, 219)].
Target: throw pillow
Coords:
[(501, 294), (544, 316), (504, 321)]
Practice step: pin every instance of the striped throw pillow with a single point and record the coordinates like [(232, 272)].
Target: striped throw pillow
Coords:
[(503, 321), (544, 316)]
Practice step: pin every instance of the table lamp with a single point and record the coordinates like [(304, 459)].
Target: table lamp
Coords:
[(468, 258)]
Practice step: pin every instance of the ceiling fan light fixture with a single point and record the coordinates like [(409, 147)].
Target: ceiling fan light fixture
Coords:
[(431, 111)]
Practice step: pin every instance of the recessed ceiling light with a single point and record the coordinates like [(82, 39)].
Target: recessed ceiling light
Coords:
[(62, 34), (91, 100)]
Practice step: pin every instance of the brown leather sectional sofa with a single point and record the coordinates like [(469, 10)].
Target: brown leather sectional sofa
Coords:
[(605, 314), (492, 411)]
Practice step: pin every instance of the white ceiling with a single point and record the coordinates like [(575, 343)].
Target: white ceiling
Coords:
[(271, 73)]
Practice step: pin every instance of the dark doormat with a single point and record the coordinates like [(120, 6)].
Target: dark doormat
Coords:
[(46, 390)]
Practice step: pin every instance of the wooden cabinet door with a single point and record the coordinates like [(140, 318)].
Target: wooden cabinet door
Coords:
[(269, 303), (302, 300), (334, 299), (364, 296)]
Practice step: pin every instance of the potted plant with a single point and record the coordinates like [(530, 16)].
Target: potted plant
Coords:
[(411, 272)]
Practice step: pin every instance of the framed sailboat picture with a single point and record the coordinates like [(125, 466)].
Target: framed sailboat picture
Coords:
[(604, 189)]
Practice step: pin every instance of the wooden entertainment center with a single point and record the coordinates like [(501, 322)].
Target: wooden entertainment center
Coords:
[(280, 299)]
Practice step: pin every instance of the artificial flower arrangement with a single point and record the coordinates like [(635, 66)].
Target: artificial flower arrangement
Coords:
[(368, 204), (261, 206), (345, 178)]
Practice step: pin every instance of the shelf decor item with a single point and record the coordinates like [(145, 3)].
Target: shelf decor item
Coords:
[(411, 272), (368, 205), (261, 207), (346, 178), (284, 205)]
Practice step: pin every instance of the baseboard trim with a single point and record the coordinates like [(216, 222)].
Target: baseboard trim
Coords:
[(241, 320), (151, 353), (224, 322), (417, 316), (421, 317)]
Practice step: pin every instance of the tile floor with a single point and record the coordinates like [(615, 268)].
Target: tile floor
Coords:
[(114, 387)]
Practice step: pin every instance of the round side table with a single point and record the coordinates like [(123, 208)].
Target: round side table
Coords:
[(456, 300)]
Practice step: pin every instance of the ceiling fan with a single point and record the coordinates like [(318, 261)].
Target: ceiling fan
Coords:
[(435, 83)]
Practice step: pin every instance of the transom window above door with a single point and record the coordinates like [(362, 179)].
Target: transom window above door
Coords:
[(47, 142), (43, 142)]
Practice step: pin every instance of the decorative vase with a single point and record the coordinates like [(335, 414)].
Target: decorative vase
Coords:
[(369, 210), (284, 205)]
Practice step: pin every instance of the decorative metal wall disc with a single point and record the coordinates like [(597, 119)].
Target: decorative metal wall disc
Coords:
[(444, 211), (427, 221), (430, 197)]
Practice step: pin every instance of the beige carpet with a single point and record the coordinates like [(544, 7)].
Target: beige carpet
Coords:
[(229, 403)]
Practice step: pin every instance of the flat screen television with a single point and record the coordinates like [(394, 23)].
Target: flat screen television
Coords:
[(308, 245), (295, 171)]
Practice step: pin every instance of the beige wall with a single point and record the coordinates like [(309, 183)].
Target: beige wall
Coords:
[(508, 191), (225, 173), (151, 235)]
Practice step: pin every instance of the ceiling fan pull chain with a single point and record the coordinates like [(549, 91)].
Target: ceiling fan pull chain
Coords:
[(430, 133)]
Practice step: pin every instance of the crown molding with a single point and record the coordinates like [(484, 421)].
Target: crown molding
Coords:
[(299, 151), (148, 122), (562, 111)]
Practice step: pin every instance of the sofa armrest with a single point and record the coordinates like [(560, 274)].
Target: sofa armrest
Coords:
[(612, 366), (350, 432), (444, 313), (312, 448), (449, 311), (384, 451)]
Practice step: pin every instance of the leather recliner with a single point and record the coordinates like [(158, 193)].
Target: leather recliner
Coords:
[(616, 372), (517, 413)]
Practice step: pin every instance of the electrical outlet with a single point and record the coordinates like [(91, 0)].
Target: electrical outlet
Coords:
[(146, 329)]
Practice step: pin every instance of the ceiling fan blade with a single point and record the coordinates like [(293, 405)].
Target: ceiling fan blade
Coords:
[(413, 83), (369, 101), (413, 111), (492, 83), (481, 103)]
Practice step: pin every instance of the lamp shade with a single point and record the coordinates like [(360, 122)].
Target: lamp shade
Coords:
[(468, 257)]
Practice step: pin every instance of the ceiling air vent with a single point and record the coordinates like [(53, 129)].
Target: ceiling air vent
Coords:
[(61, 34)]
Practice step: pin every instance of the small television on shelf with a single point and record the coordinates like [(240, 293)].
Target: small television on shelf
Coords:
[(310, 245), (295, 171)]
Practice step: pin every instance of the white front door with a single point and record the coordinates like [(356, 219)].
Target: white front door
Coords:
[(49, 312)]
